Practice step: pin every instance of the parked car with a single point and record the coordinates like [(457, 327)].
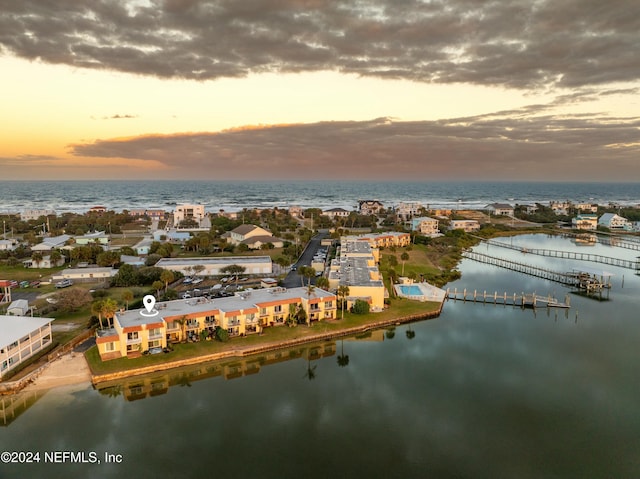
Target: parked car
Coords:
[(13, 283), (24, 284), (35, 284), (64, 283)]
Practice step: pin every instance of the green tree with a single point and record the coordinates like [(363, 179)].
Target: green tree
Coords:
[(404, 257), (360, 307), (127, 297), (109, 308), (96, 308), (343, 292), (322, 282), (343, 359), (234, 270), (167, 277), (157, 285), (37, 258), (55, 256), (222, 334)]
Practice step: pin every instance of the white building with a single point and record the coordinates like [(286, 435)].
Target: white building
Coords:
[(259, 265), (336, 213), (587, 222), (8, 244), (425, 225), (406, 211), (20, 338), (465, 225), (51, 242), (27, 215), (85, 274), (614, 222), (186, 211), (500, 209)]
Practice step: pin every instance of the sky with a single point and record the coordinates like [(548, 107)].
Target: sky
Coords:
[(318, 89)]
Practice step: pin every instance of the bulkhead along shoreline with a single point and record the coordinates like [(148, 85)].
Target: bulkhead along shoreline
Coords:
[(97, 378)]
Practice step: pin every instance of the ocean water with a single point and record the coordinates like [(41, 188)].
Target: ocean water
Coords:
[(79, 196)]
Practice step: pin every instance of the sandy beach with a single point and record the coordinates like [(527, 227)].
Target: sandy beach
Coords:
[(68, 369)]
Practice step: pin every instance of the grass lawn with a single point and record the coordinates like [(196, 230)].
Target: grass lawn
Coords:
[(20, 273), (270, 336)]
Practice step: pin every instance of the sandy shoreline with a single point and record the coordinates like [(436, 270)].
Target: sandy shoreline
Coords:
[(69, 369)]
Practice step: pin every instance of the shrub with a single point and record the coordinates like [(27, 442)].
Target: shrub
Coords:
[(360, 307)]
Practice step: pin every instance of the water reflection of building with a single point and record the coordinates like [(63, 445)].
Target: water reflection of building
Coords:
[(141, 387), (12, 406)]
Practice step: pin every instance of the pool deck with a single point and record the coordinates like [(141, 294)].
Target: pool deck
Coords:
[(428, 292)]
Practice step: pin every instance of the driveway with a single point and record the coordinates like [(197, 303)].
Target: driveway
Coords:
[(293, 278)]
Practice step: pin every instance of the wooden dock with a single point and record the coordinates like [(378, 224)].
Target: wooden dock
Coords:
[(522, 300), (584, 280), (594, 258)]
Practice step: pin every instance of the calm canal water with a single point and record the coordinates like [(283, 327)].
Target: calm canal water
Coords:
[(482, 392)]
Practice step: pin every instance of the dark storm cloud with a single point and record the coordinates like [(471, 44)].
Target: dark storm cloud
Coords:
[(517, 43), (483, 147)]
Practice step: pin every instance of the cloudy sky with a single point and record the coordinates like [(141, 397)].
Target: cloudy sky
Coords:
[(319, 89)]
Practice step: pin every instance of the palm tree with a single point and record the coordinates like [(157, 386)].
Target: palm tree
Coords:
[(311, 371), (157, 285), (234, 270), (322, 282), (36, 257), (96, 308), (343, 359), (109, 308), (343, 292), (166, 277), (404, 257), (182, 321), (127, 296), (55, 256)]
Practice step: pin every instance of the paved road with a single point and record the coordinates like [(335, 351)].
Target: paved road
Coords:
[(293, 278)]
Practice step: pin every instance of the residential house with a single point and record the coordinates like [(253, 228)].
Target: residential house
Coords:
[(585, 221), (20, 338), (85, 274), (500, 209), (336, 213), (425, 225), (151, 214), (560, 207), (296, 211), (142, 247), (586, 207), (466, 225), (614, 222), (245, 313), (45, 262), (28, 215), (171, 235), (97, 237), (252, 236), (370, 207), (406, 211), (8, 244), (52, 242), (98, 209), (188, 211)]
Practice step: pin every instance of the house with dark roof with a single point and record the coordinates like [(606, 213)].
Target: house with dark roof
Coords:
[(370, 207)]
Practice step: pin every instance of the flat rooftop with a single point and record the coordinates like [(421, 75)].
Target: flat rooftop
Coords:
[(217, 260), (355, 272)]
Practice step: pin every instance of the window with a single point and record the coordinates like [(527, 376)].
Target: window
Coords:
[(154, 332), (328, 304), (133, 335), (251, 317), (263, 311), (110, 347), (277, 309)]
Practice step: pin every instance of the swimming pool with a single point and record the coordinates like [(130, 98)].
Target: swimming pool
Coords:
[(411, 290)]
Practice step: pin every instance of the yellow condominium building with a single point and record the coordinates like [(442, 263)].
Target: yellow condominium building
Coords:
[(137, 331)]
